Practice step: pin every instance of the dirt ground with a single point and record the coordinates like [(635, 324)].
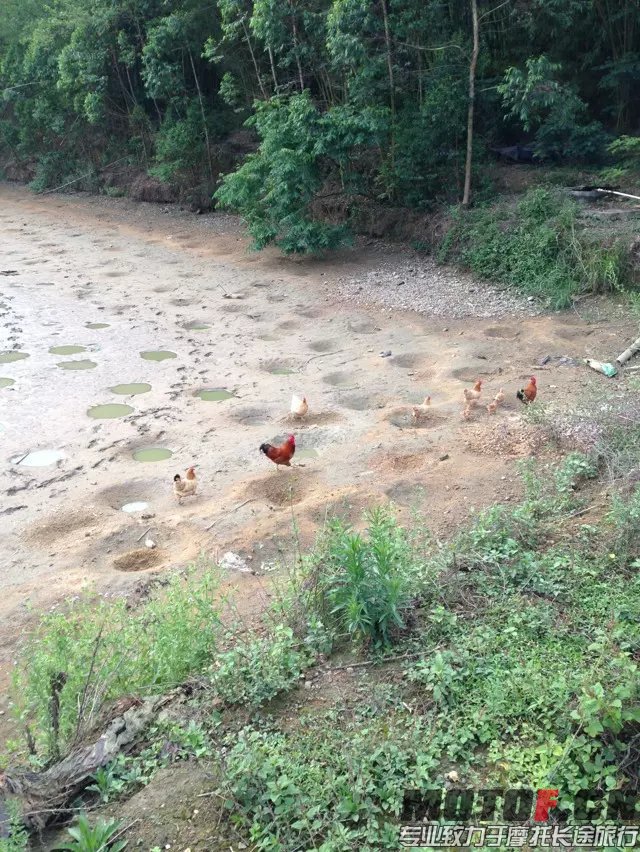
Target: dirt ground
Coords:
[(152, 274)]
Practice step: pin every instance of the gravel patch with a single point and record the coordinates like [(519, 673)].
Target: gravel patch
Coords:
[(423, 286)]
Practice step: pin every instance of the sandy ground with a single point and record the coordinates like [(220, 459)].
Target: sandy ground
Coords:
[(149, 273)]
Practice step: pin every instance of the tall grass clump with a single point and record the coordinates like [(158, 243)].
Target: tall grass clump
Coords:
[(89, 653), (538, 247)]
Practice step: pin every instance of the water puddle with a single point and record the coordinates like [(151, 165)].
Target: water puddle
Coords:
[(41, 458), (309, 453), (9, 356), (77, 365), (132, 389), (152, 454), (281, 371), (97, 325), (6, 383), (67, 350), (132, 508), (159, 355), (214, 394), (109, 411), (196, 325)]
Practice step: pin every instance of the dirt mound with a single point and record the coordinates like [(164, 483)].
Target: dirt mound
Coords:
[(398, 462), (61, 524), (511, 438), (138, 560), (282, 487)]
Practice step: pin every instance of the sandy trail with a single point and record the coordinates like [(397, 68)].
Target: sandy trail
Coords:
[(151, 274)]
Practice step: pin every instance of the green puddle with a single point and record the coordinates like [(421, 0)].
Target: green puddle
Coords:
[(152, 454), (77, 365), (307, 454), (97, 325), (131, 390), (6, 383), (214, 394), (197, 326), (9, 356), (67, 350), (159, 355), (281, 371), (109, 411)]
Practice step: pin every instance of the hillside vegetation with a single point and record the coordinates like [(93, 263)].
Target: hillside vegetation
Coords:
[(346, 102)]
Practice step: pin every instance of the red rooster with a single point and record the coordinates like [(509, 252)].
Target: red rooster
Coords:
[(282, 454), (528, 393)]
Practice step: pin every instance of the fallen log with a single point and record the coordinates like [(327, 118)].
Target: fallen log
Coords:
[(45, 796), (628, 353)]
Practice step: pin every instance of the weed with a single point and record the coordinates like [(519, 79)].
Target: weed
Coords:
[(100, 838), (538, 247), (17, 839), (80, 658), (256, 670)]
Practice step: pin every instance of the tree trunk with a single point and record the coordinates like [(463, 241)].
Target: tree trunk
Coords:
[(45, 796), (204, 115), (466, 198), (387, 41)]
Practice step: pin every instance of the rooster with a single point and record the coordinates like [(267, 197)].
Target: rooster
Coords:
[(185, 487), (528, 393), (282, 454), (299, 407)]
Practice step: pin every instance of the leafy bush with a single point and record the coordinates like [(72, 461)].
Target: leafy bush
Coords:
[(255, 670), (102, 837), (360, 584), (537, 248), (88, 654), (18, 838)]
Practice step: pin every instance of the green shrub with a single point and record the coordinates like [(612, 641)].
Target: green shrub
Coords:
[(538, 248), (102, 837), (360, 584), (88, 653), (255, 670)]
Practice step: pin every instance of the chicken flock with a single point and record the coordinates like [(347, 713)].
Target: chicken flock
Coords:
[(281, 454)]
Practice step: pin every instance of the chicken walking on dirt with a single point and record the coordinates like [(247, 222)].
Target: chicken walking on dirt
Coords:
[(528, 393), (185, 487), (282, 454)]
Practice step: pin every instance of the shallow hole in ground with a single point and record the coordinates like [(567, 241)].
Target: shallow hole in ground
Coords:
[(309, 313), (323, 345), (61, 524), (280, 367), (251, 416), (362, 402), (138, 560), (67, 350), (288, 325), (407, 493), (362, 327), (399, 462), (136, 491), (407, 359), (85, 364), (133, 389), (109, 411), (213, 394), (502, 332), (158, 355), (232, 309), (9, 356), (339, 378), (403, 418), (152, 454), (471, 373)]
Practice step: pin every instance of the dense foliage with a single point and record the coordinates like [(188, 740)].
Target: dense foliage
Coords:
[(357, 99)]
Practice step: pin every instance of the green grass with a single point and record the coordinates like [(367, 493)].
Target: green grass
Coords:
[(539, 247)]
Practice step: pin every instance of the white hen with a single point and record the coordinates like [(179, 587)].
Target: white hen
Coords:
[(299, 407)]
